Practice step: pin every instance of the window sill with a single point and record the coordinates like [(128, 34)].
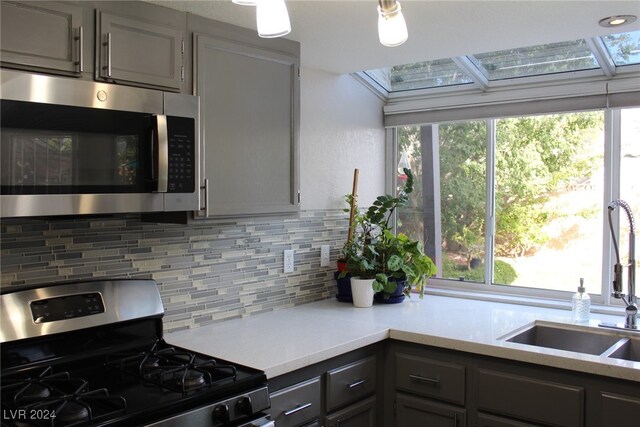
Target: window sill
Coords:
[(520, 300)]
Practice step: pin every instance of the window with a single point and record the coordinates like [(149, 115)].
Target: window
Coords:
[(427, 74), (592, 57), (535, 60), (518, 203)]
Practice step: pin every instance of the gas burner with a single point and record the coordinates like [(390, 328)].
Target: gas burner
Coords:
[(28, 389), (192, 379), (150, 363), (72, 412), (175, 370), (68, 398)]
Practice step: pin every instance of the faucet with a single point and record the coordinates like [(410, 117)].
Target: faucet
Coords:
[(630, 298)]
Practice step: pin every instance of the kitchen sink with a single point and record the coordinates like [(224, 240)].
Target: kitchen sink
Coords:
[(563, 338), (626, 349), (615, 344)]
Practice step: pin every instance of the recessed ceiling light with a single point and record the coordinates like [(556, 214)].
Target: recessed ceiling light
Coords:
[(617, 20)]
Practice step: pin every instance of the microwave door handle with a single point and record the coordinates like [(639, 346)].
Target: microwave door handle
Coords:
[(162, 153)]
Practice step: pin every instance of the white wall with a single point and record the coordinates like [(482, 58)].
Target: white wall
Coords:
[(341, 129)]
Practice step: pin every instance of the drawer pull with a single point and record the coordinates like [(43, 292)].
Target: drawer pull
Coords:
[(425, 379), (296, 409), (357, 383)]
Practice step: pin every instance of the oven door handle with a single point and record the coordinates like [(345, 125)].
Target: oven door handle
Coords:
[(161, 142)]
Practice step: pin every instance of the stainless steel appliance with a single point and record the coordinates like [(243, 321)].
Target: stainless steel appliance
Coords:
[(71, 147), (93, 354)]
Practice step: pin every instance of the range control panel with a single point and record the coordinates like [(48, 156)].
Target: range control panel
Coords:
[(66, 307)]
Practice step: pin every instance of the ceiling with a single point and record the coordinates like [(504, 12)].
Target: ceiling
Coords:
[(341, 36)]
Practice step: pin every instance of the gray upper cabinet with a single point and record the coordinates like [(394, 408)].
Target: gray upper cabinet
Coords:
[(137, 52), (43, 36), (249, 122)]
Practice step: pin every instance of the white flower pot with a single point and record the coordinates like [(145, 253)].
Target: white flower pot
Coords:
[(362, 291)]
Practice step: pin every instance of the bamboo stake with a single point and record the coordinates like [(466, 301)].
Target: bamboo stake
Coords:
[(352, 212)]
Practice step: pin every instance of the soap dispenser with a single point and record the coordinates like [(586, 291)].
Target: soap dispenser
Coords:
[(581, 304)]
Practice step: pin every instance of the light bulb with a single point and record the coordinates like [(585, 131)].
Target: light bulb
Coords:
[(392, 28), (272, 18)]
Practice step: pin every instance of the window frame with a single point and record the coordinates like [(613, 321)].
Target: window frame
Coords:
[(612, 147)]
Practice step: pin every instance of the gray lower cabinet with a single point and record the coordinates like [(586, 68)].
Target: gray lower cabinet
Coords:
[(138, 52), (429, 391), (417, 411), (619, 410), (297, 405), (440, 387), (530, 399), (340, 392), (249, 99), (361, 414), (43, 36)]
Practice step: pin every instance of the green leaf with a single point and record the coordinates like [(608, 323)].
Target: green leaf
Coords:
[(394, 263), (390, 286), (377, 286)]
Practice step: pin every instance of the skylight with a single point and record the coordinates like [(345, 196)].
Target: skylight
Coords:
[(484, 68), (624, 48), (536, 60), (441, 72)]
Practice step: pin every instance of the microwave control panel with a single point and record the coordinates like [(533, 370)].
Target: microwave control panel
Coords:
[(181, 154)]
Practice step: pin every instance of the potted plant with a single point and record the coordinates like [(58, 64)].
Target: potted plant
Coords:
[(392, 264)]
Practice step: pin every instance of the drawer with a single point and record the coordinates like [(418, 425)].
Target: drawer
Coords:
[(432, 378), (297, 404), (530, 399), (351, 382)]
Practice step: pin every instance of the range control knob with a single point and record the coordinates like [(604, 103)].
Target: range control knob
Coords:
[(220, 414), (243, 405)]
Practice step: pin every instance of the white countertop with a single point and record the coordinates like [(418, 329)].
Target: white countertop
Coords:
[(288, 339)]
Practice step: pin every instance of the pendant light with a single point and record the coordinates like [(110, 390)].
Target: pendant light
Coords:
[(392, 28), (272, 18)]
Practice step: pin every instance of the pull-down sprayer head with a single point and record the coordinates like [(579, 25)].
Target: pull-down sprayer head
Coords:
[(617, 281)]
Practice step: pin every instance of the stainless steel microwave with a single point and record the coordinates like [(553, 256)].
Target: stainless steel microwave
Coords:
[(71, 147)]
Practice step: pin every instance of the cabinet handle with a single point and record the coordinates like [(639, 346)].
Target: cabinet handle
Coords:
[(205, 187), (296, 409), (455, 419), (80, 39), (357, 383), (425, 379), (107, 44)]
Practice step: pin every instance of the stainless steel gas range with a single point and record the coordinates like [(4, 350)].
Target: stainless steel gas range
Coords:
[(93, 354)]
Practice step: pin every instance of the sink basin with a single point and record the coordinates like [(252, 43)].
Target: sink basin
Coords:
[(568, 338), (627, 349)]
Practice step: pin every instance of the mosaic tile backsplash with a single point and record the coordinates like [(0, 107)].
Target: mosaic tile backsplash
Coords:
[(207, 271)]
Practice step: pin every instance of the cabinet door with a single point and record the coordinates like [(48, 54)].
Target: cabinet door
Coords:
[(249, 126), (618, 410), (40, 35), (415, 411), (530, 399), (136, 52), (361, 414)]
